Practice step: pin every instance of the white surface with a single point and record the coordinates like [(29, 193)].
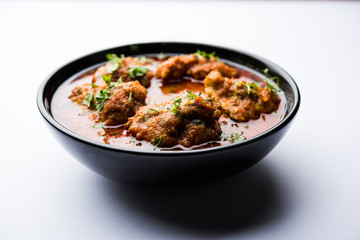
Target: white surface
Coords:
[(307, 188)]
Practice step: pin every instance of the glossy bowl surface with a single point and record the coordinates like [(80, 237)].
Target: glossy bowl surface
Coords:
[(168, 168)]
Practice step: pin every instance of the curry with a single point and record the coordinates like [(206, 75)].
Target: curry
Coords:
[(169, 102)]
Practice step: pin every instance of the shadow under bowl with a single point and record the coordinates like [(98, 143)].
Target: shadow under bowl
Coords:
[(168, 168)]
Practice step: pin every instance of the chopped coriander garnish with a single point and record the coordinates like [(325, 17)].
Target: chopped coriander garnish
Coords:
[(249, 86), (112, 57), (157, 140), (101, 97), (235, 137), (205, 54), (161, 56), (119, 81), (137, 71), (151, 109), (269, 86), (130, 97), (107, 79), (176, 105), (112, 85), (93, 85), (101, 125), (114, 61), (112, 67), (200, 93), (145, 59), (161, 138), (190, 95), (88, 98)]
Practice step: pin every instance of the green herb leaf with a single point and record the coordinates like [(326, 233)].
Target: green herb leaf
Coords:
[(114, 86), (190, 95), (151, 109), (101, 97), (93, 85), (161, 56), (114, 61), (112, 57), (269, 86), (145, 59), (112, 67), (137, 71), (176, 105), (119, 81), (249, 86), (88, 98), (157, 140), (101, 125), (205, 54), (107, 79), (266, 70), (235, 137), (130, 97)]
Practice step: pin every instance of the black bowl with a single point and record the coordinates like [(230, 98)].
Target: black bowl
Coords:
[(168, 168)]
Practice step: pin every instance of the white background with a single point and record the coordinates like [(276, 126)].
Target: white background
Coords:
[(307, 188)]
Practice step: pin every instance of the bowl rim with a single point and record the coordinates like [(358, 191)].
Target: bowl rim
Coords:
[(286, 120)]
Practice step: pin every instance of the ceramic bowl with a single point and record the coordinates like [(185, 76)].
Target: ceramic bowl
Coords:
[(168, 168)]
